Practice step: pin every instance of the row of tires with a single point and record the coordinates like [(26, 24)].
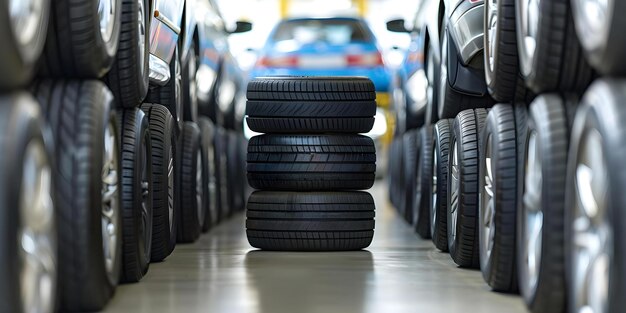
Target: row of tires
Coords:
[(529, 190)]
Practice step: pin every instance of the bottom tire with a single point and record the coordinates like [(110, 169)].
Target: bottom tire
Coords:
[(207, 132), (438, 216), (137, 191), (411, 145), (423, 183), (193, 184), (310, 221)]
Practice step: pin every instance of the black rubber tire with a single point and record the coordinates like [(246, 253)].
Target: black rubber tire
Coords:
[(558, 63), (498, 265), (547, 119), (432, 69), (21, 126), (411, 144), (207, 133), (20, 60), (192, 205), (394, 169), (311, 162), (464, 246), (78, 113), (602, 110), (137, 192), (310, 125), (189, 83), (164, 197), (423, 183), (221, 173), (171, 94), (438, 216), (310, 221), (311, 88), (502, 80), (74, 45), (234, 172), (128, 80)]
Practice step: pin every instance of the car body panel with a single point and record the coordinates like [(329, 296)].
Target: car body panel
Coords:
[(165, 28)]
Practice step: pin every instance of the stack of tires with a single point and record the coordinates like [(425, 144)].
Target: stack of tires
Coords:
[(309, 163)]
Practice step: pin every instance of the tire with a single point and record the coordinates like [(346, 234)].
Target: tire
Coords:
[(500, 42), (463, 188), (137, 192), (432, 91), (545, 160), (189, 83), (234, 180), (604, 48), (411, 144), (207, 133), (311, 104), (599, 128), (221, 173), (497, 202), (75, 45), (442, 133), (20, 59), (423, 187), (171, 94), (311, 162), (26, 198), (193, 185), (129, 76), (310, 221), (395, 171), (164, 177), (557, 63), (80, 115)]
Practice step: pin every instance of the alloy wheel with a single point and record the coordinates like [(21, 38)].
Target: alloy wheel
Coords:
[(146, 204), (454, 186), (532, 215), (487, 205), (110, 201), (434, 201), (106, 13), (199, 188), (529, 27), (170, 189)]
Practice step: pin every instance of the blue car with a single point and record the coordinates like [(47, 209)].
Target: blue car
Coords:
[(340, 46)]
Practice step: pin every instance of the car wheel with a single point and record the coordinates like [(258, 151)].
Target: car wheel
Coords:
[(594, 202), (234, 181), (310, 221), (164, 177), (311, 162), (432, 89), (462, 212), (87, 187), (189, 83), (221, 178), (550, 56), (22, 42), (129, 76), (411, 144), (497, 202), (28, 263), (207, 132), (423, 185), (501, 63), (540, 230), (171, 94), (193, 185), (82, 39), (438, 205)]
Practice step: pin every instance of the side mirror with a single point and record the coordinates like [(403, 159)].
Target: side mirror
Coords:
[(242, 27), (397, 26)]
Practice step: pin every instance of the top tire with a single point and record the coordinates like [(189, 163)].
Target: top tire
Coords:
[(311, 104)]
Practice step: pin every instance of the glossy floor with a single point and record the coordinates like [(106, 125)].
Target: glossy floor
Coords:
[(398, 273)]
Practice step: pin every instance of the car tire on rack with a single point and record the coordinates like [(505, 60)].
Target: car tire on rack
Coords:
[(82, 39), (221, 173), (87, 187), (500, 42), (540, 230), (463, 193), (207, 133), (234, 171), (310, 221), (423, 193), (594, 201), (128, 77), (441, 151), (193, 183), (432, 90), (189, 83), (311, 104), (497, 202), (171, 94), (29, 214), (21, 49), (311, 162), (137, 191), (411, 144), (164, 177)]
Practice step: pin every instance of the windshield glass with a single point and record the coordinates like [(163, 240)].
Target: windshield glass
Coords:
[(334, 32)]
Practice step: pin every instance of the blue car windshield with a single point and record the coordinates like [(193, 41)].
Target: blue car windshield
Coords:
[(333, 32)]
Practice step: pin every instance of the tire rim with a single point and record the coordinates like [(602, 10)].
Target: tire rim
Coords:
[(594, 18), (141, 32), (106, 12), (193, 83), (170, 188), (532, 215), (27, 20), (592, 232), (433, 201), (529, 28), (110, 200), (443, 75), (212, 181), (454, 185), (492, 33), (37, 233), (199, 188), (487, 212), (146, 206), (430, 73), (178, 89)]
